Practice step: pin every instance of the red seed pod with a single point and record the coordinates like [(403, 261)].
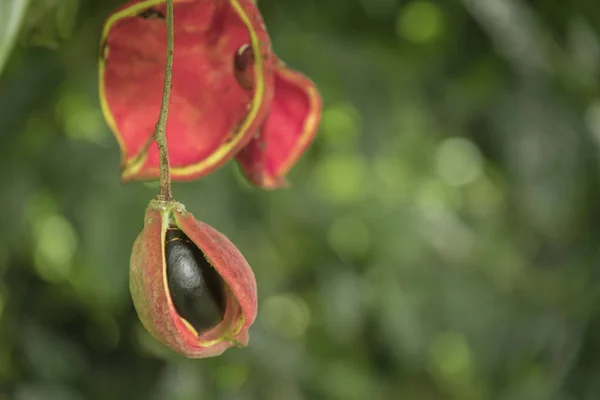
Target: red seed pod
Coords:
[(211, 115), (192, 288), (286, 133), (231, 95)]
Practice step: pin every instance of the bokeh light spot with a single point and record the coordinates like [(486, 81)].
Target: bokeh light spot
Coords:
[(56, 243), (420, 22), (451, 355), (341, 178), (458, 161), (288, 315), (82, 120), (340, 126)]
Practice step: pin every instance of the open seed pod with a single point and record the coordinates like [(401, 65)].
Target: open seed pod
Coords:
[(192, 288), (213, 113)]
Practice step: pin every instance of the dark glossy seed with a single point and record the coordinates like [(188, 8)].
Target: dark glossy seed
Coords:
[(197, 290), (243, 59)]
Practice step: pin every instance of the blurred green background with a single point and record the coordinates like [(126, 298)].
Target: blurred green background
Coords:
[(440, 240)]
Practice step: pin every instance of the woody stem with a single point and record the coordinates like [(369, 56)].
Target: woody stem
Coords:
[(164, 192)]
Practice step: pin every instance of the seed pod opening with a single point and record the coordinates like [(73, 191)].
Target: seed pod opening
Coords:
[(192, 289), (196, 289)]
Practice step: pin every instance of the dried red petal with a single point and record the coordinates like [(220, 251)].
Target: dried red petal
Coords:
[(286, 133), (150, 292), (211, 116)]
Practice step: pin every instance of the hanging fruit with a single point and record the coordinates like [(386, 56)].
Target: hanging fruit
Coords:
[(231, 94), (192, 288)]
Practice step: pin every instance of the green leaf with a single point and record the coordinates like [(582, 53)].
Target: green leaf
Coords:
[(12, 13)]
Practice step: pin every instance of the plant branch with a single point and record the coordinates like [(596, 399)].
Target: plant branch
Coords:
[(164, 192)]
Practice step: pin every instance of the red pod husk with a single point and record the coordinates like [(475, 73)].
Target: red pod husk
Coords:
[(287, 131), (154, 300), (231, 95), (211, 115)]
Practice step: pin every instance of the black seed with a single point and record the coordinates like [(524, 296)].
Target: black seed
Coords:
[(243, 57), (151, 13), (242, 60), (197, 290)]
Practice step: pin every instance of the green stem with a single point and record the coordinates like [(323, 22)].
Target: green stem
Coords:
[(164, 192)]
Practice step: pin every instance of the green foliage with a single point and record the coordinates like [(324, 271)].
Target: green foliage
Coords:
[(439, 241), (49, 22), (12, 13)]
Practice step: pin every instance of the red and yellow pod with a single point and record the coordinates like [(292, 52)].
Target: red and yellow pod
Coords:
[(177, 254), (287, 131), (211, 116)]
